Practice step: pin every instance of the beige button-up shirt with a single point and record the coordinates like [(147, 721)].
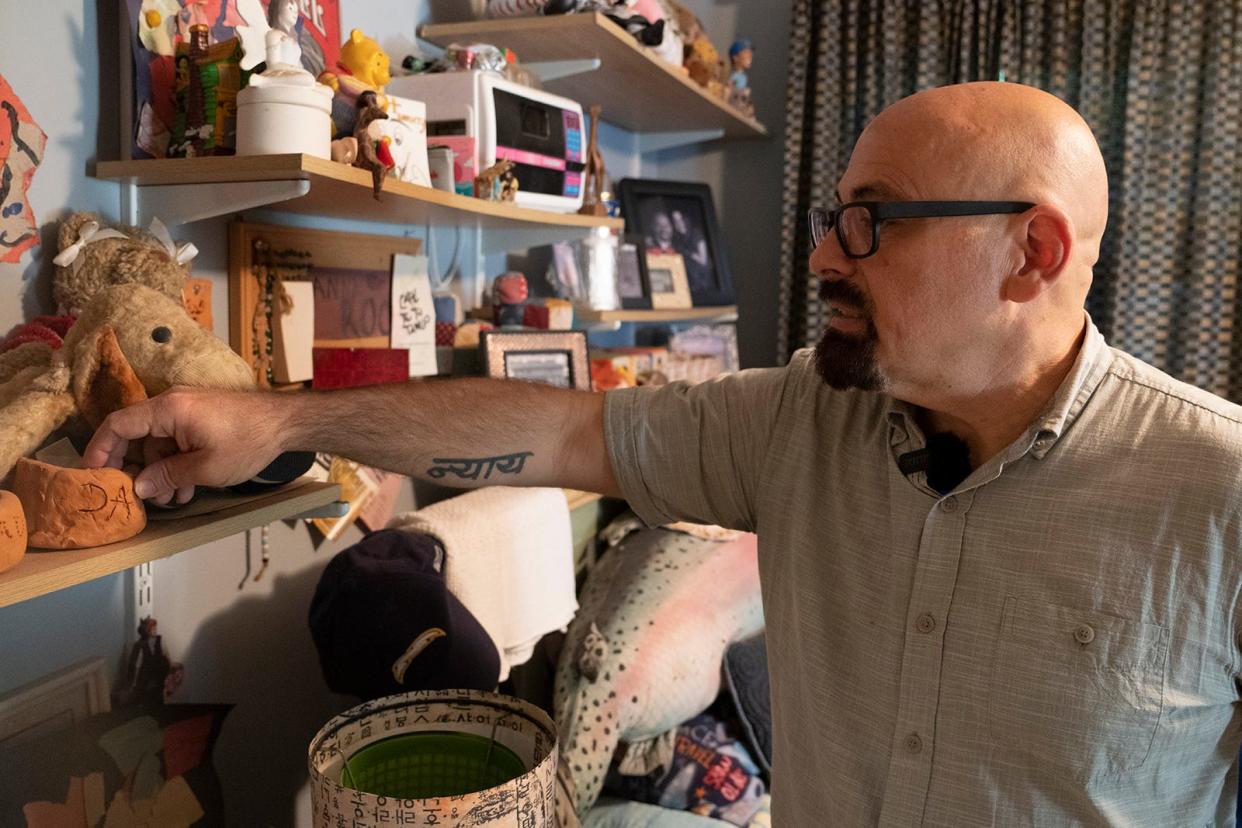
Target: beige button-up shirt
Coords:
[(1054, 642)]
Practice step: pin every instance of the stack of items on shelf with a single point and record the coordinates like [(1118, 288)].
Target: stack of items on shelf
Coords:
[(670, 30), (696, 354), (200, 91)]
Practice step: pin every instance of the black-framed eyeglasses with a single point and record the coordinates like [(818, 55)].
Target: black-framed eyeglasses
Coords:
[(858, 222)]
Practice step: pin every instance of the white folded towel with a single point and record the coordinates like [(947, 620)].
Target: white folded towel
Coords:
[(509, 559)]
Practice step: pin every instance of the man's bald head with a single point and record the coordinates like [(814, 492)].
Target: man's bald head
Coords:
[(991, 141), (950, 308)]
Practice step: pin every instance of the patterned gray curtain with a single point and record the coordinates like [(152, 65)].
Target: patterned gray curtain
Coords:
[(1160, 83)]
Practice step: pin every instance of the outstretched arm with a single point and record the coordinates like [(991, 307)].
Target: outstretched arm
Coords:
[(468, 432)]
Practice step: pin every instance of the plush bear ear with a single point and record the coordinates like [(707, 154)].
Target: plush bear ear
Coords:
[(71, 228), (103, 380)]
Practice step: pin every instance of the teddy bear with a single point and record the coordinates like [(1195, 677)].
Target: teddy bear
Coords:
[(132, 338), (362, 67)]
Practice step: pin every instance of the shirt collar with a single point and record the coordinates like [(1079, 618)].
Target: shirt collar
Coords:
[(1094, 358)]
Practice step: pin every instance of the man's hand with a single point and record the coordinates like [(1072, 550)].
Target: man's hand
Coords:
[(211, 438)]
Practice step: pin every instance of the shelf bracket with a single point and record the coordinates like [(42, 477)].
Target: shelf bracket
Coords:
[(550, 70), (656, 141), (177, 204)]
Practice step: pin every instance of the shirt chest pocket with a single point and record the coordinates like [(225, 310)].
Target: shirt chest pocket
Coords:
[(1079, 691)]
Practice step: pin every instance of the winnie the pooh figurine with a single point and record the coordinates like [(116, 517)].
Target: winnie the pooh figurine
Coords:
[(362, 67)]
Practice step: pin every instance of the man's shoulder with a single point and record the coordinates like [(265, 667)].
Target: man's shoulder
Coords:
[(1148, 386)]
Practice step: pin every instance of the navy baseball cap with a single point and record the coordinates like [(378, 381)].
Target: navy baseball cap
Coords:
[(384, 622)]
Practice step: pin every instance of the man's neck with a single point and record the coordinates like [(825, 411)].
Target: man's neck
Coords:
[(990, 422)]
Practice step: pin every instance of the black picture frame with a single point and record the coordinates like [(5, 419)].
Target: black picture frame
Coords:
[(498, 347), (633, 286), (680, 217)]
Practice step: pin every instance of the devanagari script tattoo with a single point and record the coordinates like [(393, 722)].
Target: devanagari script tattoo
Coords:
[(478, 467)]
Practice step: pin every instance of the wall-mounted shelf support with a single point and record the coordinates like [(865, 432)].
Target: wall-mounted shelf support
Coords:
[(655, 141), (177, 204), (550, 70)]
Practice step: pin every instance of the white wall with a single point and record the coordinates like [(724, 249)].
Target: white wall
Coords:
[(251, 646)]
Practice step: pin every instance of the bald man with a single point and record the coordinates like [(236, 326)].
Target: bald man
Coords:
[(999, 558)]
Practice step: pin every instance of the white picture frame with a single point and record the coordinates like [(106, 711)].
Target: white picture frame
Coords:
[(53, 703)]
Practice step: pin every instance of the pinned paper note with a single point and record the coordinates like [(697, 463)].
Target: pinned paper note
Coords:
[(21, 150), (196, 299), (413, 313)]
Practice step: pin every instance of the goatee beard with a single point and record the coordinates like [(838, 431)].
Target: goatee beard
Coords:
[(844, 361)]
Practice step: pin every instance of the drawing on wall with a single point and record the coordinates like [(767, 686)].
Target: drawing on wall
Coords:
[(21, 150)]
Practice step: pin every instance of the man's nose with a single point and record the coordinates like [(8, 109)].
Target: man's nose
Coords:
[(828, 260)]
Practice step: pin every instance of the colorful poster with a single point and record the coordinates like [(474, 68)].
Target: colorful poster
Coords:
[(156, 27), (21, 150)]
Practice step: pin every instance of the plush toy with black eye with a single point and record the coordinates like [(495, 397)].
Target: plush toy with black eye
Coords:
[(132, 338)]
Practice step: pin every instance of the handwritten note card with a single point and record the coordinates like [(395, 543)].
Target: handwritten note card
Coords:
[(413, 314)]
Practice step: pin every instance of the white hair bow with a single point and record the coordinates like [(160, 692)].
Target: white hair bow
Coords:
[(92, 232)]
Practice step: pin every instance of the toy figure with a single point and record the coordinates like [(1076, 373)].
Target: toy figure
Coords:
[(486, 181), (150, 675), (362, 67), (373, 153), (741, 54), (273, 38), (593, 175), (509, 293)]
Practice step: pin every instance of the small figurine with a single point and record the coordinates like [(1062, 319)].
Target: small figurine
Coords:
[(151, 677), (593, 175), (362, 67), (741, 55), (485, 183), (373, 152), (509, 293)]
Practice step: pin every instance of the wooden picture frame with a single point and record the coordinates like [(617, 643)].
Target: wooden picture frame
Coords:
[(557, 358), (337, 257), (679, 217), (666, 281)]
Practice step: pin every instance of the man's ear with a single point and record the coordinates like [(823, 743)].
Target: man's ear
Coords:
[(103, 380), (1046, 248)]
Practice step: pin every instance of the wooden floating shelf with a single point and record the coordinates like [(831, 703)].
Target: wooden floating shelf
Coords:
[(637, 90), (576, 498), (180, 190), (670, 315), (41, 572)]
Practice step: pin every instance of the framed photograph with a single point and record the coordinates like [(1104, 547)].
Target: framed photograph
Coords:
[(679, 217), (552, 357), (632, 274), (666, 280)]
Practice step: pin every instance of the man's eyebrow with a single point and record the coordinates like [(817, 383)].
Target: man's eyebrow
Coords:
[(869, 192)]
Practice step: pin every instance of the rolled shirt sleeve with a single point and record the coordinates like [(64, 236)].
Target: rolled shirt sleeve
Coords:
[(696, 452)]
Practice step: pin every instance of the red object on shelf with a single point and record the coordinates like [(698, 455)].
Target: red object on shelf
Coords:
[(445, 333), (354, 367)]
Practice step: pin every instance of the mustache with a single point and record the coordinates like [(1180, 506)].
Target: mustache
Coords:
[(844, 292)]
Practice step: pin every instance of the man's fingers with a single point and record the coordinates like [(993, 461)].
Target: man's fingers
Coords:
[(112, 438), (160, 481)]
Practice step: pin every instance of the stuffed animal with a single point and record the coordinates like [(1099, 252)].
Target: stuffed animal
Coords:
[(644, 652), (131, 339), (362, 67), (94, 254)]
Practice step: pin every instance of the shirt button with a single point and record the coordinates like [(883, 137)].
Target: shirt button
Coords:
[(913, 743), (926, 623), (1083, 634), (949, 504)]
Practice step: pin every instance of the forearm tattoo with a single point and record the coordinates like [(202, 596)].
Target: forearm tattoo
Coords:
[(478, 467)]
